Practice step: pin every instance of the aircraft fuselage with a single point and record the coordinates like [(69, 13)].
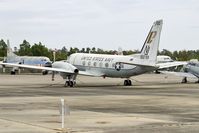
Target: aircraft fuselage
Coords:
[(107, 65)]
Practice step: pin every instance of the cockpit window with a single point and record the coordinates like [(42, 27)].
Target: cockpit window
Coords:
[(192, 64)]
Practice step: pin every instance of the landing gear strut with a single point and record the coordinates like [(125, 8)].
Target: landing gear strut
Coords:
[(127, 82), (184, 80)]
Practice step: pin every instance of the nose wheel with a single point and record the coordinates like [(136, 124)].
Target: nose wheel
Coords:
[(127, 82), (70, 81)]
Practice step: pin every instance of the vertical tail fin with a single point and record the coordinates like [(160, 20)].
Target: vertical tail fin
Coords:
[(9, 50), (151, 44)]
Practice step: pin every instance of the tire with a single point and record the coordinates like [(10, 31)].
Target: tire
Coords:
[(12, 72), (129, 83), (125, 82), (71, 84)]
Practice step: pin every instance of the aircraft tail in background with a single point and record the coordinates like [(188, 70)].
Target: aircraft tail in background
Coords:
[(9, 50)]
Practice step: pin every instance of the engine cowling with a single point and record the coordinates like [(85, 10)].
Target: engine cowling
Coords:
[(65, 65)]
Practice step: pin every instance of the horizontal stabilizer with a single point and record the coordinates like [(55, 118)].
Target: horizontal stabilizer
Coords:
[(138, 64), (170, 64)]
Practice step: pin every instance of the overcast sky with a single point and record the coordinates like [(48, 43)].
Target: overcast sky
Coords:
[(106, 24)]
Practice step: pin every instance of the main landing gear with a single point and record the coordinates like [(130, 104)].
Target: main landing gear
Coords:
[(127, 82)]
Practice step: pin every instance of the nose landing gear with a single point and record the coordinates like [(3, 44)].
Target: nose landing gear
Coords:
[(70, 81)]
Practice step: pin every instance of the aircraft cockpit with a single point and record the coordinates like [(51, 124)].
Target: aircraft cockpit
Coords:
[(193, 64)]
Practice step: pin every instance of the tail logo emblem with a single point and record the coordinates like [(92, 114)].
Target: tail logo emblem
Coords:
[(151, 37)]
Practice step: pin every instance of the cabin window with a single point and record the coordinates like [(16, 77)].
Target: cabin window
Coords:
[(113, 65), (95, 64), (106, 65), (83, 63), (100, 64), (89, 63)]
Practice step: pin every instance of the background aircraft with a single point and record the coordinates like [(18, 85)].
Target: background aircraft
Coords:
[(189, 70), (164, 59), (28, 60), (115, 66)]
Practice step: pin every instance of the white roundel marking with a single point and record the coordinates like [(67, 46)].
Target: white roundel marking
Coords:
[(118, 66)]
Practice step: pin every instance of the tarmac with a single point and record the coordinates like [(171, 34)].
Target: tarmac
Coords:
[(154, 103)]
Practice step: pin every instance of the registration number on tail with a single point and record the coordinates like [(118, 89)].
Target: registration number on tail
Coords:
[(144, 57)]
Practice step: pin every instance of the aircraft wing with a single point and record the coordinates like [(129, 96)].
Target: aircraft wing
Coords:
[(85, 73), (180, 74), (36, 67), (170, 64)]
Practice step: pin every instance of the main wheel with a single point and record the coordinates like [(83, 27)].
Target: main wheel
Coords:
[(125, 82), (71, 84), (129, 82), (12, 72)]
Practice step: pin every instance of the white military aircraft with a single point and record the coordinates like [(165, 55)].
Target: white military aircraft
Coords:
[(115, 66)]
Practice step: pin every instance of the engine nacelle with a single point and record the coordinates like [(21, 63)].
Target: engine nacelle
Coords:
[(65, 65)]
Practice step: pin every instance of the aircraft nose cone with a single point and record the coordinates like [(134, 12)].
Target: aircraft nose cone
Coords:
[(48, 64)]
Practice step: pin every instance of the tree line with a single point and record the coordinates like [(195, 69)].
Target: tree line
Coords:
[(39, 49)]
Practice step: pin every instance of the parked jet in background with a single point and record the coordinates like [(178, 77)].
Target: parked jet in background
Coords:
[(27, 60), (190, 70), (115, 66)]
